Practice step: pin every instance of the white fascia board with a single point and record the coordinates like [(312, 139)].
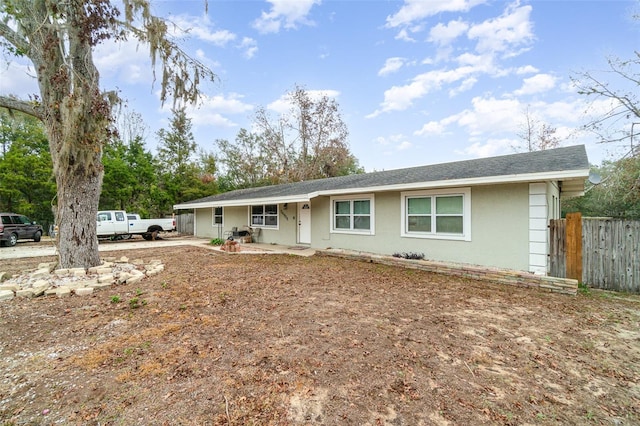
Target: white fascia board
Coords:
[(490, 180), (569, 194), (245, 202)]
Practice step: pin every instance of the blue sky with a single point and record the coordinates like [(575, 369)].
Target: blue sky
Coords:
[(417, 81)]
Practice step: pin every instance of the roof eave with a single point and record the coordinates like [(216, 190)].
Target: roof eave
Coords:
[(490, 180), (449, 183), (243, 202)]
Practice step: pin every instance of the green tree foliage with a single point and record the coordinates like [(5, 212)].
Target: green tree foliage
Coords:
[(182, 176), (618, 194), (310, 141), (26, 173), (129, 178), (246, 162)]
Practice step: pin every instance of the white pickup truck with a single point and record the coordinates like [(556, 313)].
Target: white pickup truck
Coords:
[(120, 224)]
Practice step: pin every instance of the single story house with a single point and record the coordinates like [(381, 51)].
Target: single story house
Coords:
[(491, 211)]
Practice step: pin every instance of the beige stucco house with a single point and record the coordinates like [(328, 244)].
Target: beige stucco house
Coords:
[(491, 211)]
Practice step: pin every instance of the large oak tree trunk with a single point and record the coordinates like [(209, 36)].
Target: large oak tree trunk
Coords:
[(78, 195)]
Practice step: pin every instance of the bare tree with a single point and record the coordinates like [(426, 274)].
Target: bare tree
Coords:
[(536, 135), (620, 85), (308, 142), (58, 37)]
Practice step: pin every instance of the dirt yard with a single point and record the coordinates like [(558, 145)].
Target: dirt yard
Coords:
[(220, 339)]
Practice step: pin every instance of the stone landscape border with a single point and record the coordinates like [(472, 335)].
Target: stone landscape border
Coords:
[(495, 275), (45, 280)]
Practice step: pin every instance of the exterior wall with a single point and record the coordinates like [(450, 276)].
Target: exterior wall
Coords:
[(499, 229), (287, 226), (232, 216), (239, 217), (202, 224), (501, 220)]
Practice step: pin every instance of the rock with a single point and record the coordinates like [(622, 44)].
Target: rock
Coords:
[(102, 285), (4, 276), (84, 291), (38, 290), (135, 277), (100, 270), (106, 278), (78, 272), (77, 284), (39, 273), (10, 287), (6, 295), (27, 293), (48, 265), (64, 282), (123, 277), (155, 270), (63, 292)]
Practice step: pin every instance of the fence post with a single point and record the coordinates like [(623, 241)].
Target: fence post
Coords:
[(574, 246)]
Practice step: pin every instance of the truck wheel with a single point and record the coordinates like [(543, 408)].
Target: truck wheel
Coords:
[(13, 239), (147, 236), (37, 236)]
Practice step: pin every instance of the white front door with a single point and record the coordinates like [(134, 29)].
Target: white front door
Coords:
[(304, 223)]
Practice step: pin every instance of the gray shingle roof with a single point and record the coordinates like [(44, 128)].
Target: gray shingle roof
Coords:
[(553, 160)]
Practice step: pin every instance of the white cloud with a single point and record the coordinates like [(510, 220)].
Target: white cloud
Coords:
[(416, 10), (490, 115), (490, 148), (467, 84), (250, 47), (214, 110), (18, 79), (391, 65), (404, 146), (567, 111), (483, 63), (527, 69), (431, 128), (513, 28), (397, 142), (399, 98), (287, 13), (125, 61), (403, 35), (537, 84), (200, 28), (445, 34)]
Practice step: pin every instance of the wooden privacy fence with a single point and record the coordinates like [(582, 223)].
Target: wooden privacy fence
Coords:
[(184, 223), (610, 252)]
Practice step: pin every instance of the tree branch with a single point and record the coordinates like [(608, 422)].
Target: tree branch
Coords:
[(19, 43), (29, 108)]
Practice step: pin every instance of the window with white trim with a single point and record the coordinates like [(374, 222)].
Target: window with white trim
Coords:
[(264, 216), (352, 214), (218, 216), (443, 214)]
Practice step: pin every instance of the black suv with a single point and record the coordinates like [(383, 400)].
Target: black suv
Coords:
[(14, 227)]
